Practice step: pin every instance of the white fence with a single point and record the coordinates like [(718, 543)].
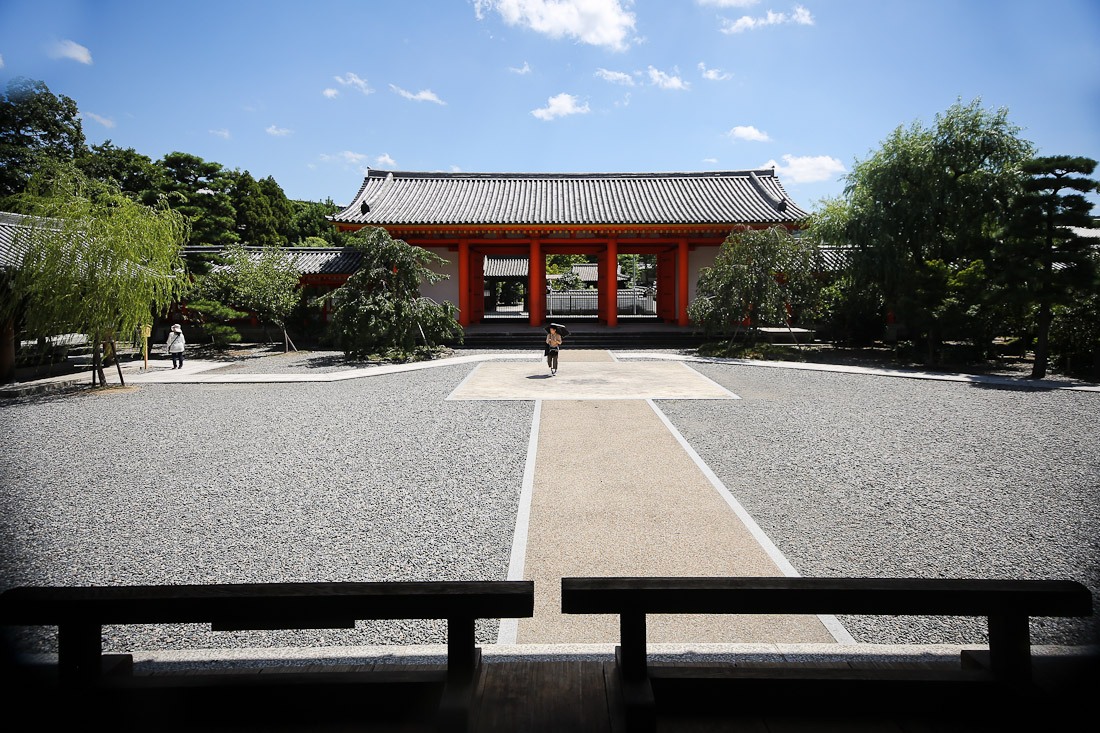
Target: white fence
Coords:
[(632, 301)]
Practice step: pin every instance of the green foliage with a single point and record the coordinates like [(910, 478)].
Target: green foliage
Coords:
[(256, 224), (1075, 336), (922, 209), (200, 191), (379, 310), (308, 221), (1042, 259), (568, 281), (96, 263), (264, 283), (560, 264), (36, 127), (282, 210), (213, 318), (757, 276), (136, 175)]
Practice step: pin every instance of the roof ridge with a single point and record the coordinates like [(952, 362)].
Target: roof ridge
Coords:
[(378, 173)]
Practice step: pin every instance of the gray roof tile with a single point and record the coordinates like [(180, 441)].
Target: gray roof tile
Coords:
[(389, 198)]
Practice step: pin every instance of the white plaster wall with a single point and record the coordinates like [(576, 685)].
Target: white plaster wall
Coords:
[(698, 259), (444, 289)]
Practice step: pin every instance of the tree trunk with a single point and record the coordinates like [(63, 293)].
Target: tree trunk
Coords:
[(1042, 341), (118, 364), (97, 364), (7, 350)]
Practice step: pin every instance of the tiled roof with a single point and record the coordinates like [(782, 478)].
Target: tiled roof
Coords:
[(723, 198), (326, 261), (12, 249), (505, 267), (307, 260), (517, 267)]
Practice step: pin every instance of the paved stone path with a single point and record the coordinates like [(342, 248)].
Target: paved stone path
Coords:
[(614, 493)]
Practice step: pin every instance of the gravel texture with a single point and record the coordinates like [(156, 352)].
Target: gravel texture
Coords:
[(382, 479), (853, 475), (367, 479)]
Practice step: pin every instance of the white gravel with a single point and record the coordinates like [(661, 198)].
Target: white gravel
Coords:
[(381, 479)]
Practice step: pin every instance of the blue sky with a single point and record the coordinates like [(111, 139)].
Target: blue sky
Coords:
[(313, 93)]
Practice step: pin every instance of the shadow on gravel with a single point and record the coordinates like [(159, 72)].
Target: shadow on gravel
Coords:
[(328, 361)]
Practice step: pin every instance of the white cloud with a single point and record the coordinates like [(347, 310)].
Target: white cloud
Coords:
[(807, 168), (70, 50), (331, 93), (1, 61), (666, 81), (615, 77), (560, 105), (275, 131), (424, 95), (595, 22), (525, 69), (800, 16), (713, 74), (710, 161), (455, 169), (748, 132), (222, 133), (105, 121), (386, 160), (354, 81), (728, 3), (346, 156)]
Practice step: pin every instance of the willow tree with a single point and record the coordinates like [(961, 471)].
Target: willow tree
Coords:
[(96, 262), (924, 213)]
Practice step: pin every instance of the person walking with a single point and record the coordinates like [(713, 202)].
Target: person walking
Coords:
[(176, 343), (553, 343)]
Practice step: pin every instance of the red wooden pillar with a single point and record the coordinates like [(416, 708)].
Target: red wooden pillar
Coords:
[(536, 284), (682, 290), (463, 283), (609, 288), (666, 286), (477, 287)]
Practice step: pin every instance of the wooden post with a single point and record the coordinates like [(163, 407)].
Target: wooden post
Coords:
[(146, 332), (118, 364)]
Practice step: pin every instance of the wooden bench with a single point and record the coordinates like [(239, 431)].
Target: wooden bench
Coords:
[(1008, 604), (79, 613)]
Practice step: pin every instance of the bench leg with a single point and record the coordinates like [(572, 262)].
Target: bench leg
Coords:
[(79, 648), (463, 668), (639, 706), (1010, 648)]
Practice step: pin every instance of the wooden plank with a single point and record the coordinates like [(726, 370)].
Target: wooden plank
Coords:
[(798, 595), (538, 696), (245, 603)]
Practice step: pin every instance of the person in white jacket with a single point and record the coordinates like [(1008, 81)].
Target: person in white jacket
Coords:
[(176, 342)]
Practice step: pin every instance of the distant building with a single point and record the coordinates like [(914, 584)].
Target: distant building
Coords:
[(469, 218)]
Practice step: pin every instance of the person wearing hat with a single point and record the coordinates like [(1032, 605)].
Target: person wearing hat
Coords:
[(176, 342)]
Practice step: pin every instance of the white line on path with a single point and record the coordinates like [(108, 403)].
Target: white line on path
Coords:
[(509, 627), (831, 623)]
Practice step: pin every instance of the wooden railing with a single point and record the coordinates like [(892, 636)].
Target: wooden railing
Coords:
[(79, 613), (1008, 604)]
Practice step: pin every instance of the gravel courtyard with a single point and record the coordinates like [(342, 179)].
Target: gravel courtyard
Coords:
[(381, 479)]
